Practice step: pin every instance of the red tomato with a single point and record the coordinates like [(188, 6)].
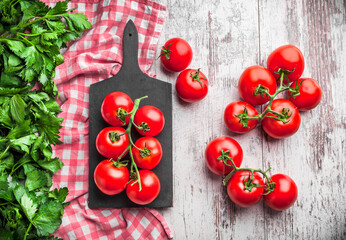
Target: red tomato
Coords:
[(310, 94), (150, 119), (109, 178), (107, 143), (287, 57), (249, 81), (152, 154), (239, 194), (284, 195), (113, 108), (278, 129), (150, 188), (234, 123), (176, 55), (213, 151), (192, 85)]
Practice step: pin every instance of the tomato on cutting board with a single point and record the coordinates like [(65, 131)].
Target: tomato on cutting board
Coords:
[(149, 121), (109, 144), (310, 94), (213, 152), (111, 179), (176, 55), (150, 188), (249, 81), (150, 155), (115, 107), (239, 193), (192, 85)]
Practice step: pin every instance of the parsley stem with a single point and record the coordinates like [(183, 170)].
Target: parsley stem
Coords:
[(27, 231), (3, 153)]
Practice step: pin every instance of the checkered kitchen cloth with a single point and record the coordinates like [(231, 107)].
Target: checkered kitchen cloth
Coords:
[(97, 56)]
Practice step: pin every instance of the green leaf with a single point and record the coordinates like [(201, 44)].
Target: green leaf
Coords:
[(20, 130), (17, 108), (33, 58), (79, 21), (59, 195), (10, 80), (53, 165), (13, 91), (5, 118), (5, 191), (23, 143), (7, 162), (56, 25), (13, 60), (16, 46), (26, 201), (28, 74), (53, 106), (59, 8), (48, 218), (35, 179)]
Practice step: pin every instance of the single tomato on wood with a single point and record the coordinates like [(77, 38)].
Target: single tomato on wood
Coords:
[(250, 79), (310, 94), (115, 107), (149, 121), (284, 195), (219, 146), (111, 177), (192, 85), (150, 154), (150, 188), (291, 119), (244, 189), (288, 58), (109, 144), (233, 117), (176, 55)]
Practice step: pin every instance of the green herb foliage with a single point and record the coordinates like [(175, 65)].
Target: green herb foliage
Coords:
[(31, 36)]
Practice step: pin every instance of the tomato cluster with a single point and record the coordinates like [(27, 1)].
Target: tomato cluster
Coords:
[(245, 186), (258, 85), (192, 84), (112, 175)]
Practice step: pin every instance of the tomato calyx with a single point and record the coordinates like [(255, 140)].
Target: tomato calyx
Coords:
[(249, 184), (143, 127), (196, 77), (224, 157), (244, 117), (114, 136), (118, 164), (294, 92), (285, 72), (283, 116), (121, 115), (262, 90), (145, 152), (165, 51)]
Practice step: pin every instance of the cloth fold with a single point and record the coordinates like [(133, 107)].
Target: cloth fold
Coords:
[(96, 56)]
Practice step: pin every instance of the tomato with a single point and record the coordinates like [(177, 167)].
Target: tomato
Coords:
[(111, 179), (152, 154), (278, 129), (150, 120), (114, 107), (239, 194), (213, 151), (176, 55), (233, 122), (284, 195), (191, 85), (108, 143), (310, 94), (287, 57), (249, 81), (150, 188)]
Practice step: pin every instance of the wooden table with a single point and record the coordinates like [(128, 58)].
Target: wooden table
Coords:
[(226, 37)]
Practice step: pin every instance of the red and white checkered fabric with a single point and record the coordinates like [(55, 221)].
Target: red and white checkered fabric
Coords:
[(96, 56)]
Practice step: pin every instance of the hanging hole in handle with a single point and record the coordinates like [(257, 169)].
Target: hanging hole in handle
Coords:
[(130, 34)]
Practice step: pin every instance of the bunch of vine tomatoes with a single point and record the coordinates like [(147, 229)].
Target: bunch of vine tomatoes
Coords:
[(112, 175)]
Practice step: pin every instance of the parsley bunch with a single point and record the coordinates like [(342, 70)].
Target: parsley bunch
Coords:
[(31, 36)]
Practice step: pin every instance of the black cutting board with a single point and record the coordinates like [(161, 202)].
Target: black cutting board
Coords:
[(132, 81)]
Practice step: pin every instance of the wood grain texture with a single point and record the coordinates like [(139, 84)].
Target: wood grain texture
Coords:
[(226, 37)]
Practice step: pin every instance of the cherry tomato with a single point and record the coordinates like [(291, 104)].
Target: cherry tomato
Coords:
[(111, 179), (151, 155), (233, 122), (150, 119), (192, 85), (310, 94), (287, 57), (239, 194), (284, 195), (249, 81), (150, 188), (114, 107), (278, 129), (109, 144), (176, 55), (213, 151)]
